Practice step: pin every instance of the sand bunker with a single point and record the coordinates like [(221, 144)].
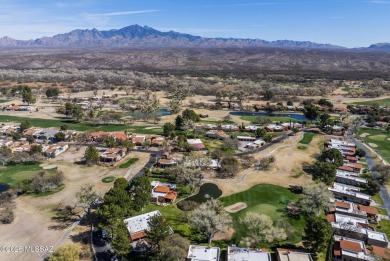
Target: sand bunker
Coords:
[(373, 145), (363, 135), (49, 167), (150, 128), (236, 207)]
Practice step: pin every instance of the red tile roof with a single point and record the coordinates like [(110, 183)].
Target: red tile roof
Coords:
[(368, 210), (381, 251), (119, 135), (346, 168), (171, 195), (343, 204), (138, 235), (350, 245), (162, 189), (336, 249), (331, 218)]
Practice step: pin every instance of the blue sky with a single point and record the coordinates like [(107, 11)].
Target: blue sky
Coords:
[(350, 23)]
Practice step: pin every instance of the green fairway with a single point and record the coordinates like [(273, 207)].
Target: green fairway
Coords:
[(273, 118), (81, 126), (3, 101), (380, 138), (14, 174), (265, 199), (128, 163), (380, 102), (307, 138)]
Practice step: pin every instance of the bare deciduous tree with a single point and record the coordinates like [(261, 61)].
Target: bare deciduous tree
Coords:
[(210, 218)]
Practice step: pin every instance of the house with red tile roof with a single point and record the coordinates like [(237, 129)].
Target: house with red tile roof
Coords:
[(112, 155), (196, 144), (163, 193), (170, 159), (216, 134), (98, 136), (350, 249)]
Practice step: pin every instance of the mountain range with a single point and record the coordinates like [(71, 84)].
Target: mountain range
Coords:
[(136, 36)]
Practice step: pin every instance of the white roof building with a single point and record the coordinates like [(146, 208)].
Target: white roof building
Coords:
[(203, 253), (350, 193), (246, 254), (194, 141)]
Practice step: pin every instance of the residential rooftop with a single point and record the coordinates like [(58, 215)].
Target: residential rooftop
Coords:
[(246, 254), (203, 253)]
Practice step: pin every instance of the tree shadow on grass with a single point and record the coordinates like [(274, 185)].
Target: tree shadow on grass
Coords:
[(82, 237), (63, 218)]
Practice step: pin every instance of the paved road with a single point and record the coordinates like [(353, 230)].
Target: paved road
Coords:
[(370, 162)]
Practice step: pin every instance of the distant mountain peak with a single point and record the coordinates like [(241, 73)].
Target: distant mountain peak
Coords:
[(137, 36)]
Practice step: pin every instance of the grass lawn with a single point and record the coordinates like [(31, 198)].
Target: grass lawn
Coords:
[(128, 163), (380, 102), (14, 174), (307, 138), (377, 198), (3, 101), (108, 179), (81, 126), (380, 138), (384, 226), (265, 199), (382, 211), (212, 144), (273, 118), (176, 218)]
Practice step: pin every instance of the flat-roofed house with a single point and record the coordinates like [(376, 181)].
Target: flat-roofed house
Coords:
[(203, 253), (246, 138), (350, 193), (138, 225), (346, 178), (293, 255), (357, 228), (349, 249), (247, 254), (348, 208)]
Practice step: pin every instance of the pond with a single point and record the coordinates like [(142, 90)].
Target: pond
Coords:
[(160, 112), (206, 192), (3, 187), (295, 116)]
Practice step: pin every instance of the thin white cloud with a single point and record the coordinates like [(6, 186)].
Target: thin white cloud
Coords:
[(121, 13), (379, 2), (259, 4)]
